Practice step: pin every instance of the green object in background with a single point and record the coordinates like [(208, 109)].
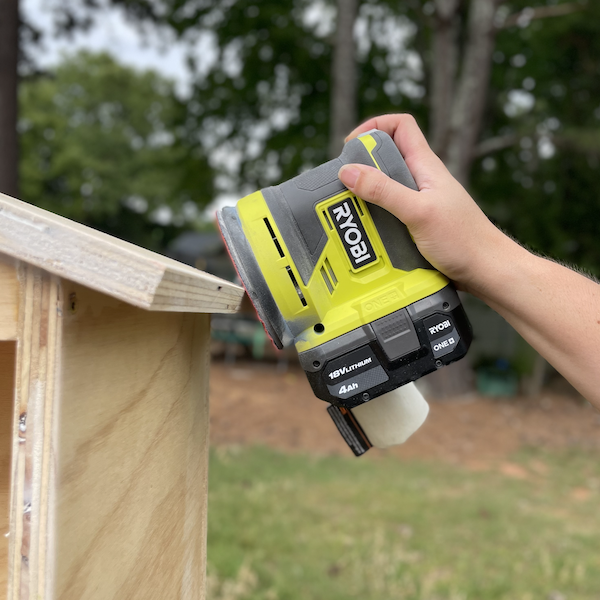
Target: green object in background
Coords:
[(238, 330), (492, 383), (497, 379)]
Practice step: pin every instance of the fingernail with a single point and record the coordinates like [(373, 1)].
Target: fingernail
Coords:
[(348, 176)]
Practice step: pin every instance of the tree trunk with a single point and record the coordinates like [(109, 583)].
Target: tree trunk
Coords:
[(471, 95), (459, 95), (9, 51), (343, 78), (443, 72)]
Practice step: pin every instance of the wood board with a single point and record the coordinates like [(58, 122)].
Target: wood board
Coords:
[(130, 518), (110, 448), (109, 265), (7, 377), (9, 299), (33, 443)]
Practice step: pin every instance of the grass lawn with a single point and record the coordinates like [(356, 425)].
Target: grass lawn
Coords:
[(297, 527)]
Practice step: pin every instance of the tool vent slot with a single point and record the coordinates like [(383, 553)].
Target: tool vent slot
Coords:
[(274, 238), (358, 206), (331, 272), (328, 276), (295, 283), (327, 281), (327, 219)]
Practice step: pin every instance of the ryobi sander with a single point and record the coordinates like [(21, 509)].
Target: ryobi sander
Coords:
[(343, 281)]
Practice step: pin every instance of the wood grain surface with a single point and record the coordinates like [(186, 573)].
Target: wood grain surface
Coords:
[(110, 448), (106, 264), (7, 378), (9, 298), (103, 414), (130, 515), (33, 442)]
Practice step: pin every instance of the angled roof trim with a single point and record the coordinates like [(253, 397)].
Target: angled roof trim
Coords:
[(109, 265)]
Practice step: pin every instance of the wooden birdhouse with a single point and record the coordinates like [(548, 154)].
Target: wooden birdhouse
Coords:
[(104, 364)]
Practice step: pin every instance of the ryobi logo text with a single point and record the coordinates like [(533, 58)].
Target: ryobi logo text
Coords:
[(352, 233), (439, 327)]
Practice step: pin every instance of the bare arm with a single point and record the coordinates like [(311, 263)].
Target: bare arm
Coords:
[(555, 309)]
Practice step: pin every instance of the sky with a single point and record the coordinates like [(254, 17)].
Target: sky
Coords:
[(115, 34)]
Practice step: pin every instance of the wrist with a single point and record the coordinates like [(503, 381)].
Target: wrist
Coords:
[(498, 266)]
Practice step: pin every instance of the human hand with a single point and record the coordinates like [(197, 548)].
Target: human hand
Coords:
[(450, 230)]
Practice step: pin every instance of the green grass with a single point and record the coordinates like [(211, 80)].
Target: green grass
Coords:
[(293, 527)]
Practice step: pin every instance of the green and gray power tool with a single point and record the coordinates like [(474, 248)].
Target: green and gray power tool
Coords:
[(343, 280)]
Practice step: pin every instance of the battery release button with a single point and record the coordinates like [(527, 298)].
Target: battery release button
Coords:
[(396, 334)]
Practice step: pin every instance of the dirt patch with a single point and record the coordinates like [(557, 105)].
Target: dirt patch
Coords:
[(254, 403)]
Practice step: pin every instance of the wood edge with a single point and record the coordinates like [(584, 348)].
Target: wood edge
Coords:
[(48, 423), (32, 496), (207, 295), (9, 324), (17, 460), (92, 246), (202, 346)]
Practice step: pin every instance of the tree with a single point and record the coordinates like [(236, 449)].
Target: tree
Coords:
[(540, 184), (343, 115), (102, 145), (268, 97), (458, 103), (461, 66), (261, 108)]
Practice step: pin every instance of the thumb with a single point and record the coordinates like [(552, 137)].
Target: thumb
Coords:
[(372, 185)]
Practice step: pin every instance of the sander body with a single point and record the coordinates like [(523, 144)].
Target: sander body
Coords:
[(343, 280)]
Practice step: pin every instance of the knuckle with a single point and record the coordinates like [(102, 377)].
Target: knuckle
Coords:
[(408, 119), (379, 189)]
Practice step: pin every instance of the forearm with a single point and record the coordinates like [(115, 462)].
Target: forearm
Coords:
[(554, 308)]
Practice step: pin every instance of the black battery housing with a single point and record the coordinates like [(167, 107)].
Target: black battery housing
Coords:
[(385, 354)]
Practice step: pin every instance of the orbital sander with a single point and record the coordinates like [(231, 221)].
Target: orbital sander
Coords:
[(343, 280)]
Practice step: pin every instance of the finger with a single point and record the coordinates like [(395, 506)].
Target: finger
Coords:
[(423, 163), (374, 186), (392, 125), (387, 123), (425, 166), (363, 128)]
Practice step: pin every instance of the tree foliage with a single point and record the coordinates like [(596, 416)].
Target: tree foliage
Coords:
[(545, 93), (103, 144), (260, 107)]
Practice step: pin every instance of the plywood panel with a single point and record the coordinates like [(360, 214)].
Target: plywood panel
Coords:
[(32, 465), (109, 265), (9, 299), (109, 450), (132, 456), (7, 379)]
